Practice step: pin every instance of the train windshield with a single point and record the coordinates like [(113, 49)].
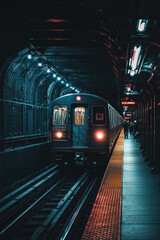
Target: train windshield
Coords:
[(60, 115), (79, 116), (98, 115)]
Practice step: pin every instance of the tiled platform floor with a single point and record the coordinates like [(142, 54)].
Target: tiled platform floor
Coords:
[(140, 196), (105, 218)]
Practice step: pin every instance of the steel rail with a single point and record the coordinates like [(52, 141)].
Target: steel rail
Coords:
[(78, 207), (26, 185), (28, 209), (55, 215)]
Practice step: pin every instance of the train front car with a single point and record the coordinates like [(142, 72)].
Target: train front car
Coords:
[(80, 129)]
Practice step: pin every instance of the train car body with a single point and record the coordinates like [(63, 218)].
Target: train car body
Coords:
[(83, 124)]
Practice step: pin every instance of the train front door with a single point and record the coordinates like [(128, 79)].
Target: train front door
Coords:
[(79, 126)]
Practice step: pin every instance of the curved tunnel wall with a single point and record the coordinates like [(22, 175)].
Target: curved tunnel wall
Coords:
[(26, 92)]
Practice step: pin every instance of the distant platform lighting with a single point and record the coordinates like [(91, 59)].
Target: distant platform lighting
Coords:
[(62, 81), (54, 75), (29, 56), (48, 70), (58, 78), (135, 57), (142, 25), (67, 84), (132, 73), (40, 64), (134, 60)]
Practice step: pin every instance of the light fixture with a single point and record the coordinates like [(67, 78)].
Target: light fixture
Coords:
[(135, 57), (142, 25), (78, 98), (132, 73), (48, 70), (40, 64), (29, 56), (134, 60), (58, 78), (62, 82), (54, 75), (67, 84)]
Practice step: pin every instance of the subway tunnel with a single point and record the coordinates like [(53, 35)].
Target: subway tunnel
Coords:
[(54, 49)]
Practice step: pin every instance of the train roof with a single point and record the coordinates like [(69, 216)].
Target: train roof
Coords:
[(81, 94), (86, 94)]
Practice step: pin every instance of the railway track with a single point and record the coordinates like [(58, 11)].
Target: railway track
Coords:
[(45, 206), (15, 202)]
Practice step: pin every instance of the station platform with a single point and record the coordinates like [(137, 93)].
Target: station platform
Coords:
[(127, 205)]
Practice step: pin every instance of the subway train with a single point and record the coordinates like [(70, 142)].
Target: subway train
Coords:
[(83, 129)]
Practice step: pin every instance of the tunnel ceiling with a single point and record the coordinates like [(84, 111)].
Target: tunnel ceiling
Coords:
[(91, 43)]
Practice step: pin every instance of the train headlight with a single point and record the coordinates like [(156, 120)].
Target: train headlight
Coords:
[(100, 135), (59, 134)]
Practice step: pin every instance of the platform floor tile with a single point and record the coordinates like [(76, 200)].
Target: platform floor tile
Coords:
[(104, 220), (140, 196)]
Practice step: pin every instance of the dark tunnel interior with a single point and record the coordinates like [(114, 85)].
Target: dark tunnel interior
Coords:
[(53, 48)]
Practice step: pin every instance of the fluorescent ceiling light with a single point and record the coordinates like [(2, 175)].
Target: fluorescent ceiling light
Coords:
[(132, 73), (135, 57)]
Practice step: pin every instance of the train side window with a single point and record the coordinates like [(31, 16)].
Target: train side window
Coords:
[(60, 115), (79, 116), (98, 115)]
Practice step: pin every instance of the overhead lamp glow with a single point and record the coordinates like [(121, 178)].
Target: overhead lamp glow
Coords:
[(135, 57), (62, 82), (29, 56), (132, 73), (67, 84), (48, 70), (40, 64), (58, 78), (73, 88), (142, 25), (54, 75)]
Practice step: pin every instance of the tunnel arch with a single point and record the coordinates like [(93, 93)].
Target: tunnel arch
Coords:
[(26, 93)]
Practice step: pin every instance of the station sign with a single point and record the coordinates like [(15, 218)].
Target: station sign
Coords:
[(128, 103)]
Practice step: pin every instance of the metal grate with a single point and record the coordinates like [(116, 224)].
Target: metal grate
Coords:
[(104, 221)]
